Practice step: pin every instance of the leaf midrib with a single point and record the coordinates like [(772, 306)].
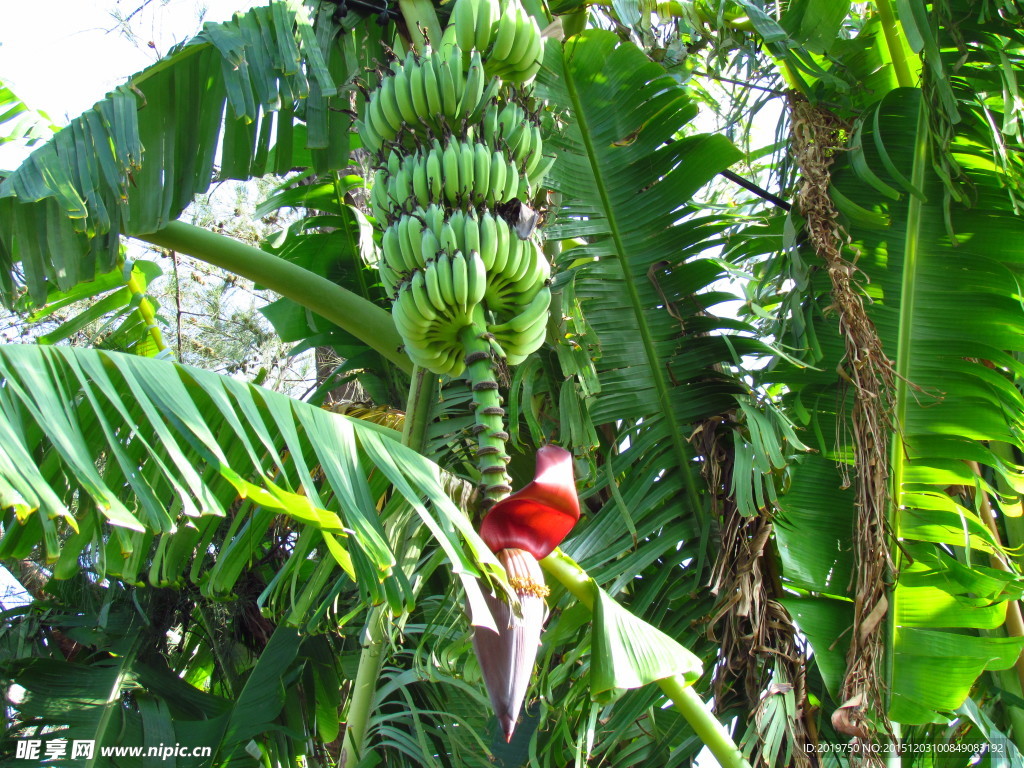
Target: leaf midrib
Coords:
[(680, 448)]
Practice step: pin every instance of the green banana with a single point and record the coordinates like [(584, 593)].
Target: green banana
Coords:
[(449, 242), (421, 181), (477, 278), (435, 180), (488, 232), (460, 281), (414, 243), (370, 138), (527, 260), (424, 307), (432, 278), (433, 217), (499, 173), (506, 241), (487, 14), (511, 182), (389, 105), (529, 32), (450, 165), (463, 19), (525, 320), (380, 124), (504, 33), (457, 221), (470, 235), (392, 248), (537, 272), (418, 91), (442, 268), (430, 246), (473, 88), (388, 278), (403, 94), (432, 85), (449, 91), (467, 165)]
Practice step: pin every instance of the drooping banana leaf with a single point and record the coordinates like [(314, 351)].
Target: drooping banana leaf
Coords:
[(139, 465), (119, 694), (134, 161)]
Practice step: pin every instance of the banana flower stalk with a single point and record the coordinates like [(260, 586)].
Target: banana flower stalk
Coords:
[(521, 530)]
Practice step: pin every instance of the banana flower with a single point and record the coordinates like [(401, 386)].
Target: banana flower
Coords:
[(521, 530)]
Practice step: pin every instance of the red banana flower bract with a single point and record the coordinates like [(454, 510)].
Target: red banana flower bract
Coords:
[(521, 529), (537, 517)]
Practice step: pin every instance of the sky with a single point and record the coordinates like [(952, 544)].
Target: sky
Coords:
[(65, 60)]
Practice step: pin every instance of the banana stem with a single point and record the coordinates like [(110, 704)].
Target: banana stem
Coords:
[(580, 585), (489, 429), (364, 688), (422, 389), (362, 318), (421, 17)]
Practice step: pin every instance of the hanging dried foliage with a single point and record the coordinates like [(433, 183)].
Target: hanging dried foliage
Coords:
[(816, 135), (762, 657)]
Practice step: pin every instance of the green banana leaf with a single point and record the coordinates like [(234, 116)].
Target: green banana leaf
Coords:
[(946, 305), (134, 161), (19, 122), (120, 694), (139, 464)]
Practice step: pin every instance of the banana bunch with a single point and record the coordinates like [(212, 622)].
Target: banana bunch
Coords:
[(436, 285), (460, 173), (426, 96), (433, 306), (511, 42), (459, 153)]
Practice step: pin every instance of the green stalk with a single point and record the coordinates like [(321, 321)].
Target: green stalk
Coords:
[(420, 14), (364, 688), (897, 456), (363, 319), (579, 584), (489, 430), (422, 390), (894, 43)]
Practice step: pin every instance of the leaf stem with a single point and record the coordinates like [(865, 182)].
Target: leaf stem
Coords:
[(894, 44), (362, 318), (907, 321), (580, 585)]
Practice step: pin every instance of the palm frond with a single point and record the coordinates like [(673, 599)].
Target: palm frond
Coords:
[(144, 462)]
